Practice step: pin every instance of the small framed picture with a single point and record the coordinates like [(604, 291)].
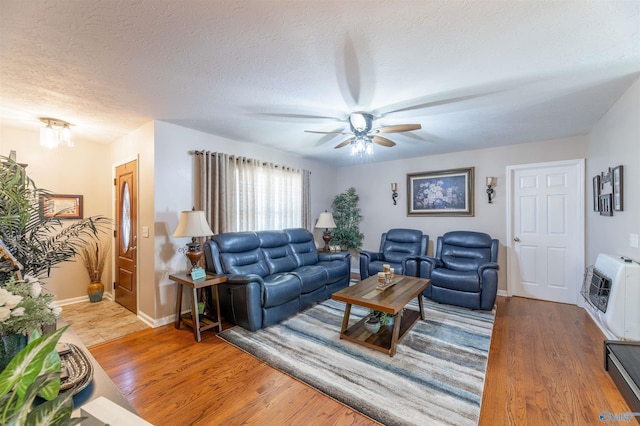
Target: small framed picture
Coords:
[(61, 206), (617, 188), (596, 193), (605, 205)]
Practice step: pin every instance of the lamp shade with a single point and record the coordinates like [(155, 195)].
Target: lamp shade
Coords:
[(192, 224), (325, 221)]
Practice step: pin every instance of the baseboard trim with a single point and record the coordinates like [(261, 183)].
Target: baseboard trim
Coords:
[(503, 293)]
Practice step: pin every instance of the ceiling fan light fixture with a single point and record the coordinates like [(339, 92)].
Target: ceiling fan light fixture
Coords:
[(361, 146)]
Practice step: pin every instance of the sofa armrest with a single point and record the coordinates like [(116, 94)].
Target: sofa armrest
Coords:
[(244, 279), (410, 265), (485, 268), (426, 266), (336, 255), (365, 258)]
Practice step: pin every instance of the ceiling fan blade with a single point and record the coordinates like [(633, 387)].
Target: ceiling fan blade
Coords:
[(328, 133), (398, 128), (383, 141), (345, 143)]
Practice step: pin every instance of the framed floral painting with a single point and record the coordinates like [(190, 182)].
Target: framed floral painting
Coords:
[(440, 193)]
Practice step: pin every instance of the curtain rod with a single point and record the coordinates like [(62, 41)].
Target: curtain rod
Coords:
[(236, 158)]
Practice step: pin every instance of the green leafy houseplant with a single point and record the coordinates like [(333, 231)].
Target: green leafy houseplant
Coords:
[(346, 214), (38, 242), (35, 371)]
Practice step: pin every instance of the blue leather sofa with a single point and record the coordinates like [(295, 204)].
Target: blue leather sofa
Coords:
[(464, 271), (271, 275), (399, 248)]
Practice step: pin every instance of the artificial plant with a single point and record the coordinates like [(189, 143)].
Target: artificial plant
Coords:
[(38, 242), (35, 371), (346, 214)]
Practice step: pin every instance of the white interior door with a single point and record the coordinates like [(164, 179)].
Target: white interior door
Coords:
[(546, 232)]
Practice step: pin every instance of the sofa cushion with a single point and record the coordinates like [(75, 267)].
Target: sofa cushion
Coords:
[(400, 243), (336, 269), (303, 246), (240, 253), (279, 289), (312, 277), (456, 280), (277, 253)]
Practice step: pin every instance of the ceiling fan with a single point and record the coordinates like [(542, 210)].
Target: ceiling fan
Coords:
[(364, 136)]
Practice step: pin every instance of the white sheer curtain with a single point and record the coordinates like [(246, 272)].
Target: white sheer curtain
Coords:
[(257, 196)]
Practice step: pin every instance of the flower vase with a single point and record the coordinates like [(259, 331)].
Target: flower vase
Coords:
[(10, 345), (95, 291)]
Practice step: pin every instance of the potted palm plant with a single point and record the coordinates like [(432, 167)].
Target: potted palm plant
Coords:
[(37, 241), (93, 257)]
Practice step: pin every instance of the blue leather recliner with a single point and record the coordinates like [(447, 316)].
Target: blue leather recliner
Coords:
[(400, 248), (464, 271), (271, 275)]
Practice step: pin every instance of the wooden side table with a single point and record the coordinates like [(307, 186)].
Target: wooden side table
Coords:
[(196, 321)]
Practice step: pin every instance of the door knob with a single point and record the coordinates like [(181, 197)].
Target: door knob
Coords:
[(516, 239)]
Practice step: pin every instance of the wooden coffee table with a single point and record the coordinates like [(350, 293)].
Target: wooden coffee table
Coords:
[(392, 301)]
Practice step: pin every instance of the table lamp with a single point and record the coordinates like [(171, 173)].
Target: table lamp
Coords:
[(326, 221), (193, 224)]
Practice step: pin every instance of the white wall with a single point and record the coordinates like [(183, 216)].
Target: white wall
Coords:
[(174, 183), (615, 140), (79, 170), (373, 185)]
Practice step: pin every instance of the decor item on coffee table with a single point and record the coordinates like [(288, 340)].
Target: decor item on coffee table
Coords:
[(435, 378), (391, 301)]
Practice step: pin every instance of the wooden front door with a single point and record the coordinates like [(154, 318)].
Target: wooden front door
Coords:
[(126, 235)]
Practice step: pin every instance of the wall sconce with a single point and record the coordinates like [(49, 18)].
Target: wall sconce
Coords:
[(55, 132), (394, 192), (491, 183)]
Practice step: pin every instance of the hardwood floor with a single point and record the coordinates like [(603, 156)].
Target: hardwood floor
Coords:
[(545, 367)]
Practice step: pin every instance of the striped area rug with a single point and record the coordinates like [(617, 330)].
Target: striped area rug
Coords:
[(435, 378)]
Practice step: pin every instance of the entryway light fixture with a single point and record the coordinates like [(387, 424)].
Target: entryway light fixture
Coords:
[(55, 132), (491, 183)]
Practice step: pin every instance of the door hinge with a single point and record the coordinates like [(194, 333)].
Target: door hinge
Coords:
[(114, 233), (114, 182), (114, 285)]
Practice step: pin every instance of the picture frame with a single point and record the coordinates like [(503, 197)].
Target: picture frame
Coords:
[(617, 188), (596, 193), (62, 206), (605, 205), (441, 193)]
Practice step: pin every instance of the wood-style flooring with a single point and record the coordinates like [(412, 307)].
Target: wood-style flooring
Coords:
[(545, 367), (100, 322)]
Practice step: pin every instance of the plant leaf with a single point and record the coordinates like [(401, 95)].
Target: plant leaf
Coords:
[(26, 366)]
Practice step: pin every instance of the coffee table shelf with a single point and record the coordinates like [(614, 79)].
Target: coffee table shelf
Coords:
[(380, 341)]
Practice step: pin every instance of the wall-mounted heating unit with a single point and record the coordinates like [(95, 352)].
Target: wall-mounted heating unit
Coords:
[(612, 291)]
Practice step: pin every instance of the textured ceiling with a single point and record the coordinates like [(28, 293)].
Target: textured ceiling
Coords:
[(472, 73)]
